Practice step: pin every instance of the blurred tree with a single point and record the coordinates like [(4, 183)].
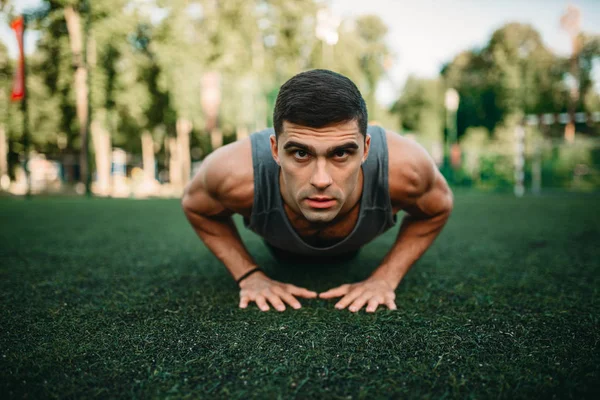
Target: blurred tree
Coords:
[(514, 73), (78, 31), (119, 99), (5, 88), (234, 64), (372, 51), (420, 110), (589, 100), (151, 66), (175, 47), (44, 120), (524, 71), (59, 52), (288, 34), (52, 65), (240, 54), (345, 58), (159, 117)]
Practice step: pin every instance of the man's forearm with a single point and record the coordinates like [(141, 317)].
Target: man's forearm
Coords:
[(414, 238), (221, 237)]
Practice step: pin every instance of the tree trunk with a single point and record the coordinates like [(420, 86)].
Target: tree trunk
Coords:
[(184, 128), (148, 157), (3, 153), (241, 132), (103, 151), (73, 20), (216, 138), (149, 185), (259, 100), (174, 163)]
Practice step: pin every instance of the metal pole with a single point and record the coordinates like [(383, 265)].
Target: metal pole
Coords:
[(451, 102), (536, 169), (519, 160), (447, 142), (24, 110)]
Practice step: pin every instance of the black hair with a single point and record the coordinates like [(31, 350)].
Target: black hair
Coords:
[(317, 98)]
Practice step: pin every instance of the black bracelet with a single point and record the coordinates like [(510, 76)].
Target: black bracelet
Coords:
[(247, 274)]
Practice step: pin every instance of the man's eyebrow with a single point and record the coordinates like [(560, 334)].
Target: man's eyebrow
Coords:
[(345, 146), (331, 150), (298, 145)]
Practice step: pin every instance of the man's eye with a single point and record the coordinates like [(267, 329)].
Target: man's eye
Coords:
[(301, 154), (341, 153)]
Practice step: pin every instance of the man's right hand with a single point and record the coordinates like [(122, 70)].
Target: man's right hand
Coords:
[(259, 288)]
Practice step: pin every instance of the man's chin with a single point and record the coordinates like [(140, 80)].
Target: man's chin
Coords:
[(319, 216)]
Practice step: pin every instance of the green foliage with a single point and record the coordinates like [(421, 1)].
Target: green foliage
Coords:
[(146, 73), (514, 72), (589, 100), (574, 166), (371, 31), (420, 108), (6, 74), (488, 160)]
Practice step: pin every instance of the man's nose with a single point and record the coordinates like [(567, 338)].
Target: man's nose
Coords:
[(320, 178)]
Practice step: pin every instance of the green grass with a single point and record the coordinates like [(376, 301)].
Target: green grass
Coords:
[(118, 298)]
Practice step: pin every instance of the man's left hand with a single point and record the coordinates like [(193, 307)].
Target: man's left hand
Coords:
[(372, 291)]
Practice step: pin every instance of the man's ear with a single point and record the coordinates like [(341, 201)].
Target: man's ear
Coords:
[(274, 150), (367, 148)]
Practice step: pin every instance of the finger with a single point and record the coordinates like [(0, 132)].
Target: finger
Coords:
[(360, 302), (302, 292), (276, 301), (288, 298), (391, 304), (335, 292), (262, 303), (244, 302), (349, 298), (373, 303)]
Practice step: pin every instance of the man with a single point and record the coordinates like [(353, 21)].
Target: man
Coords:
[(320, 184)]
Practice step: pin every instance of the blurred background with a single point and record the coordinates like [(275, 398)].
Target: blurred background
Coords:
[(125, 98)]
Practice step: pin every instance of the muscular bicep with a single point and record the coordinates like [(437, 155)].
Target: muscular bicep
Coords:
[(416, 184), (199, 198), (436, 200), (224, 184)]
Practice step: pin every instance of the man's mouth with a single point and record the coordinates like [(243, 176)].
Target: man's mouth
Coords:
[(320, 202)]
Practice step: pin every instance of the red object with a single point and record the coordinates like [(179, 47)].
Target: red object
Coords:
[(18, 91), (455, 155)]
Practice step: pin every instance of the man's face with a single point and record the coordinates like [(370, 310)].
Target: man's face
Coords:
[(320, 167)]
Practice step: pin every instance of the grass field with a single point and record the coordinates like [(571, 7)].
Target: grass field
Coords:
[(109, 298)]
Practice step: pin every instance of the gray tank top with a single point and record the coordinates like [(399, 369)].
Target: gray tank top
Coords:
[(269, 220)]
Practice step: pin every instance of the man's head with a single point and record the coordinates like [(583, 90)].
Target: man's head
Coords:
[(321, 141), (318, 98)]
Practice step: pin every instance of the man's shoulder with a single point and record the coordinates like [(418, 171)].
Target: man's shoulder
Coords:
[(411, 169), (229, 175)]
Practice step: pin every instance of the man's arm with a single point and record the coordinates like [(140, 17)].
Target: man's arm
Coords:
[(224, 185), (417, 187), (219, 189)]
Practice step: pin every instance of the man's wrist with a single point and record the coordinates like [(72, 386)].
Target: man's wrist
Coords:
[(393, 276), (249, 275)]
